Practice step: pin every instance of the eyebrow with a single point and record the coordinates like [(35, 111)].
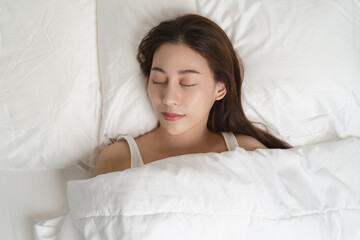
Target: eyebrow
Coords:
[(180, 72)]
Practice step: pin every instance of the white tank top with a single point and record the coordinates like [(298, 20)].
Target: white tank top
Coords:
[(136, 159)]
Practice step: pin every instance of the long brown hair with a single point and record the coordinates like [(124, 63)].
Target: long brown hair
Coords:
[(209, 40)]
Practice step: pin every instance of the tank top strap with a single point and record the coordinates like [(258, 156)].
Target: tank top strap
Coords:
[(136, 159), (230, 140)]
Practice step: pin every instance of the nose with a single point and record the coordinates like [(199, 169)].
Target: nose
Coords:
[(171, 95)]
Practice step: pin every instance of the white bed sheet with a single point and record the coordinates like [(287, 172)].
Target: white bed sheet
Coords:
[(29, 196)]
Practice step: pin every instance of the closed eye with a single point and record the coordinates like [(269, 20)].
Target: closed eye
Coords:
[(188, 85), (153, 81), (184, 85)]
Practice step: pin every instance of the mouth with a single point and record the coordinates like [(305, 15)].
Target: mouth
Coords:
[(172, 116)]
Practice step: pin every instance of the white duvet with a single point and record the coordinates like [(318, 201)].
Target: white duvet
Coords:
[(308, 192)]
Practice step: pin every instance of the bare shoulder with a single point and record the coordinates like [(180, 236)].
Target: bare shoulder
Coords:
[(249, 143), (114, 157)]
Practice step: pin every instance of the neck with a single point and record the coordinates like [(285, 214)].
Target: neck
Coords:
[(192, 139)]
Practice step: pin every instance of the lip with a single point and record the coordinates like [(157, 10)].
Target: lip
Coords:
[(172, 116)]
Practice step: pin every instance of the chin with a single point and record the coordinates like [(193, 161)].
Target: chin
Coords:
[(173, 130)]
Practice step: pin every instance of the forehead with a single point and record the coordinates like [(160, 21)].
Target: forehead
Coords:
[(178, 57)]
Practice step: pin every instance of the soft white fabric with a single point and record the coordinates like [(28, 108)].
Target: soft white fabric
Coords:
[(61, 227), (230, 140), (136, 159), (26, 197), (308, 192), (301, 59), (50, 100)]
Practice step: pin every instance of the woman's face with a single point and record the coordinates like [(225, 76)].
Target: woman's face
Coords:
[(182, 89)]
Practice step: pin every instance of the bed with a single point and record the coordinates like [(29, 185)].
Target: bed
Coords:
[(70, 83)]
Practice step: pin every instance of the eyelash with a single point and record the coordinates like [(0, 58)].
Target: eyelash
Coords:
[(191, 85), (188, 85)]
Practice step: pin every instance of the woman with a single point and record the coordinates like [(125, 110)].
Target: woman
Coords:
[(194, 78)]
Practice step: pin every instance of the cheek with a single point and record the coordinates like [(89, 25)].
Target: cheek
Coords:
[(152, 92), (151, 96), (201, 100)]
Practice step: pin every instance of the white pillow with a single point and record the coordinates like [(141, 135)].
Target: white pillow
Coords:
[(50, 106), (301, 58)]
